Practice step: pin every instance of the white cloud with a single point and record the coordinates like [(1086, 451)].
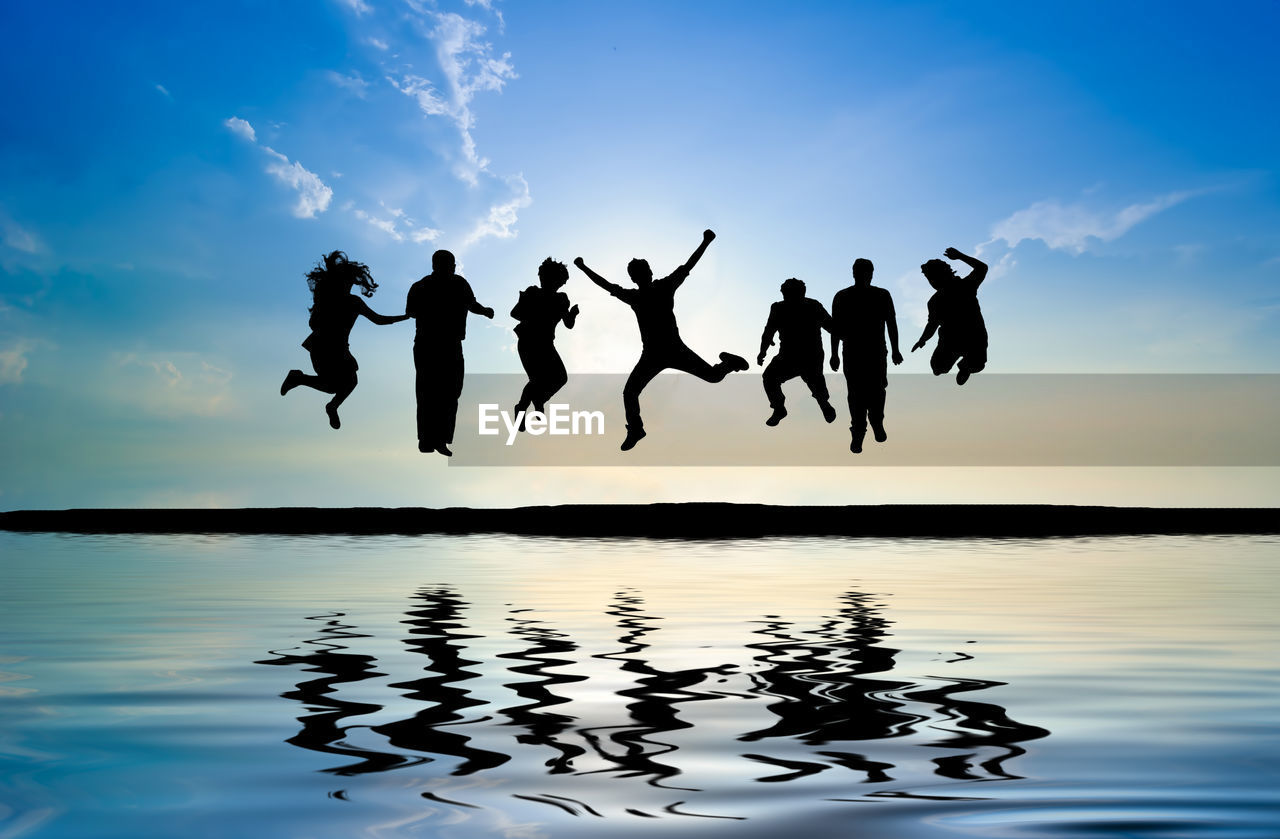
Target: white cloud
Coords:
[(164, 91), (500, 223), (313, 195), (241, 128), (360, 7), (1070, 227), (15, 236), (157, 385), (377, 44), (353, 84), (469, 66), (391, 226), (13, 361)]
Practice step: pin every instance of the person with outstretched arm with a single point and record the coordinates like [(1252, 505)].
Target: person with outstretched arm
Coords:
[(439, 302), (955, 315), (653, 302), (334, 312)]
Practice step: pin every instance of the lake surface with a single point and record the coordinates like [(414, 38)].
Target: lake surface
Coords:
[(200, 686)]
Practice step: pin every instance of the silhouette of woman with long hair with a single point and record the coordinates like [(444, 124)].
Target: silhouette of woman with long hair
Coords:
[(334, 311), (540, 310)]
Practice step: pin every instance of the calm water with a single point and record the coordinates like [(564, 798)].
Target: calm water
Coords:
[(494, 686)]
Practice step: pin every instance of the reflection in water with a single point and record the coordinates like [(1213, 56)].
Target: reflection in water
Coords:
[(321, 731), (544, 727), (430, 730), (831, 700)]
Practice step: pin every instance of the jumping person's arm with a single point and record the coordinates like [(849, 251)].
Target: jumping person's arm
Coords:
[(891, 324), (380, 320), (770, 329), (571, 317), (682, 272), (476, 309), (979, 272), (836, 308), (930, 327), (616, 290)]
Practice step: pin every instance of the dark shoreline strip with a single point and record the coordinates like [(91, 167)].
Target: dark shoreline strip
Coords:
[(671, 521)]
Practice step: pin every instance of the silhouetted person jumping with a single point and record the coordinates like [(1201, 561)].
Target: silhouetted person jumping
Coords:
[(860, 316), (539, 310), (653, 301), (955, 315), (440, 302), (334, 310), (798, 322)]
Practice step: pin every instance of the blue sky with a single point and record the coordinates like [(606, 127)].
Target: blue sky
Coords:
[(168, 176)]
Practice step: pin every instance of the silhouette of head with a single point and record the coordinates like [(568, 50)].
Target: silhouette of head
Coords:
[(862, 271), (640, 272), (442, 262), (335, 274), (552, 274), (792, 289), (937, 272)]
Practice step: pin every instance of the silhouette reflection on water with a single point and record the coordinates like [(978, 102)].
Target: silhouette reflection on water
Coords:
[(831, 687)]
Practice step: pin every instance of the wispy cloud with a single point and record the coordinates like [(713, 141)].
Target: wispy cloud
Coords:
[(170, 384), (397, 225), (241, 128), (360, 7), (1071, 227), (13, 360), (469, 66), (164, 91), (13, 235), (500, 223), (313, 194), (353, 83)]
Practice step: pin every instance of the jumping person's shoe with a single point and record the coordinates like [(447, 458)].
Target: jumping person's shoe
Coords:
[(855, 440), (776, 417), (633, 436), (426, 448), (734, 362), (521, 413), (877, 428), (962, 376), (292, 380), (334, 422), (443, 449), (828, 412)]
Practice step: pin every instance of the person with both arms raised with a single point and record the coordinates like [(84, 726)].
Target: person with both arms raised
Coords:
[(653, 302)]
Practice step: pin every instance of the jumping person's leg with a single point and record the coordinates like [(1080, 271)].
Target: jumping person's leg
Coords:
[(944, 357), (973, 361), (684, 359), (646, 368), (876, 382), (810, 372), (529, 360), (451, 386), (426, 388), (780, 370), (340, 394)]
